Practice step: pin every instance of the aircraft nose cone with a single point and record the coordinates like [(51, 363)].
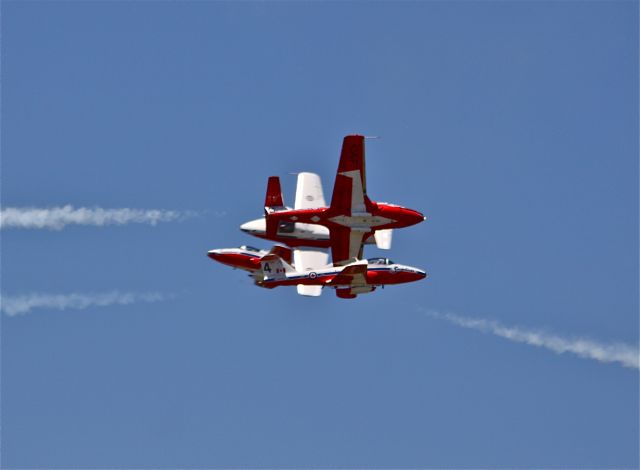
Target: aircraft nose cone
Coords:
[(417, 274), (214, 254), (419, 217), (412, 217), (254, 226)]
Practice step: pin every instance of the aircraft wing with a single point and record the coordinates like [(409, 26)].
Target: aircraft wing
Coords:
[(351, 275), (350, 187), (309, 192), (307, 259), (346, 245)]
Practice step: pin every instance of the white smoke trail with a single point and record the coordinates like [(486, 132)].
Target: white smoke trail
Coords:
[(56, 218), (625, 354), (21, 304)]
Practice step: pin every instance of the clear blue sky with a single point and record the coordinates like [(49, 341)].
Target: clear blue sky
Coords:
[(512, 125)]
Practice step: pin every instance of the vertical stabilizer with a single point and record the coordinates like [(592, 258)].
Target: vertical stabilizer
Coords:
[(273, 202), (273, 199), (275, 268)]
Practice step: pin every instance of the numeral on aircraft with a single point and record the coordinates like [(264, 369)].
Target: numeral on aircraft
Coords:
[(267, 268)]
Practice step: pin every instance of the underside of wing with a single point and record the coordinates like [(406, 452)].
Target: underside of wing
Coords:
[(351, 166), (341, 198), (346, 245), (352, 158), (309, 193)]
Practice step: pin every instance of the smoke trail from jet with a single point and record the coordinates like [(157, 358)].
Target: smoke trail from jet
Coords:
[(624, 354), (56, 218), (21, 304)]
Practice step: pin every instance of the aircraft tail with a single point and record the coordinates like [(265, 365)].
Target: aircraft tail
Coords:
[(275, 268), (273, 199), (273, 202)]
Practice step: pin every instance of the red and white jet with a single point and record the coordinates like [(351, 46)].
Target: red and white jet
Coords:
[(351, 218), (360, 277), (309, 195), (274, 268)]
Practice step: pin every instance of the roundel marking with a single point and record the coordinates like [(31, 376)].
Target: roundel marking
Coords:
[(312, 275)]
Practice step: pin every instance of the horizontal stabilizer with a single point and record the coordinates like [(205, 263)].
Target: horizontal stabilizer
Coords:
[(383, 238), (283, 252), (309, 291), (352, 293)]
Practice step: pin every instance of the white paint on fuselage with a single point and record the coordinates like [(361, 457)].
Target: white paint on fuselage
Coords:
[(303, 231), (361, 221)]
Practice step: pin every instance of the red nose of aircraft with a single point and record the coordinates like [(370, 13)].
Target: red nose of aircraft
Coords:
[(411, 217), (402, 216), (223, 256)]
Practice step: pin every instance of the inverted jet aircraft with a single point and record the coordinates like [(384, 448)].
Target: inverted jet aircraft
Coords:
[(351, 218), (309, 195), (360, 277)]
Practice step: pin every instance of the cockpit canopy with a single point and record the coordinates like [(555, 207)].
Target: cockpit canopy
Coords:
[(249, 248), (380, 261)]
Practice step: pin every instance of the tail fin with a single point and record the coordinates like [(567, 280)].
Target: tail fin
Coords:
[(273, 199), (383, 238), (274, 268), (273, 202)]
